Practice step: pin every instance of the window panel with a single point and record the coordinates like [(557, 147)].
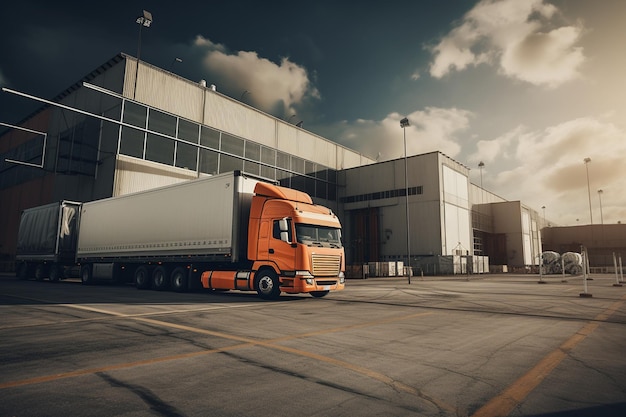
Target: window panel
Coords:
[(230, 163), (282, 160), (188, 131), (210, 138), (132, 142), (135, 114), (160, 149), (186, 156), (208, 161), (162, 122), (297, 165), (232, 145)]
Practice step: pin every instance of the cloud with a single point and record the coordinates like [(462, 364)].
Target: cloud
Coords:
[(434, 129), (276, 88), (549, 169), (516, 37)]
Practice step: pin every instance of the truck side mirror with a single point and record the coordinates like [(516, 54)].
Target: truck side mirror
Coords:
[(283, 225)]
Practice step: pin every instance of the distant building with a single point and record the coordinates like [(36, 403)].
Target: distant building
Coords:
[(147, 127), (601, 241)]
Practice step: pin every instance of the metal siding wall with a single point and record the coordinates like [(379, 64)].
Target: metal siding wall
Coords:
[(164, 91), (134, 175), (234, 118), (287, 139), (160, 90)]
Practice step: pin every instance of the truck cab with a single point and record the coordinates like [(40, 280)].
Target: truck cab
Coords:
[(295, 245)]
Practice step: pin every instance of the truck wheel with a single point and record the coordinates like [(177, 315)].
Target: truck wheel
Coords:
[(319, 294), (267, 285), (41, 271), (55, 273), (23, 271), (160, 278), (178, 279), (142, 278), (86, 274)]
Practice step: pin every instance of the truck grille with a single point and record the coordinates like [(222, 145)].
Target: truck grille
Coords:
[(326, 265)]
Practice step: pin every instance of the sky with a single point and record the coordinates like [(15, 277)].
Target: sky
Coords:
[(530, 88)]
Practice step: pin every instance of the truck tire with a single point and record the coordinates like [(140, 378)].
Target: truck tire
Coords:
[(55, 274), (142, 278), (319, 294), (160, 278), (267, 285), (86, 274), (23, 271), (178, 279), (41, 272)]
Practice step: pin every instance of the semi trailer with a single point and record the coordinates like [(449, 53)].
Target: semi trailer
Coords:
[(231, 231)]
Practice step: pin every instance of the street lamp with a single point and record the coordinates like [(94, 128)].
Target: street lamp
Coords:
[(600, 198), (404, 123), (586, 161), (481, 164), (175, 61), (145, 20), (544, 215)]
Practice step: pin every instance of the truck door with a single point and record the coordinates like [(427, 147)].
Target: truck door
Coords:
[(282, 248)]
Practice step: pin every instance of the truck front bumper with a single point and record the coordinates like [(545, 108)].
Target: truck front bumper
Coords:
[(304, 282)]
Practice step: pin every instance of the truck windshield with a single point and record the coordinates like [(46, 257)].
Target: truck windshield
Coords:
[(313, 235)]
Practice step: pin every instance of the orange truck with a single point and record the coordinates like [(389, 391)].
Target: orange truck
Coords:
[(225, 232)]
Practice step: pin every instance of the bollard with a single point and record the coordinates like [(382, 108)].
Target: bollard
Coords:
[(617, 283), (585, 271), (541, 281)]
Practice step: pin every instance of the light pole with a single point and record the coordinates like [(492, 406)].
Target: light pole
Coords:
[(586, 161), (481, 164), (404, 123), (145, 20), (175, 61), (600, 198), (544, 215)]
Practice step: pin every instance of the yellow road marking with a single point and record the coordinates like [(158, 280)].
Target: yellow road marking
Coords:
[(507, 400), (245, 342)]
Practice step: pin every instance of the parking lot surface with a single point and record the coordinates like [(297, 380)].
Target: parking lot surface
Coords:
[(492, 345)]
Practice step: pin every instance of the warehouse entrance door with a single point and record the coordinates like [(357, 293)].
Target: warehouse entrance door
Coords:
[(365, 242)]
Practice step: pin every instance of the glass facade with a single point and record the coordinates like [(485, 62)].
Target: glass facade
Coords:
[(171, 140)]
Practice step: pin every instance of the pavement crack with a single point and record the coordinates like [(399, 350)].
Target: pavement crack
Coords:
[(147, 396)]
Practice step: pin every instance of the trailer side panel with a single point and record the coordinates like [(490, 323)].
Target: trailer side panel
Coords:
[(200, 218)]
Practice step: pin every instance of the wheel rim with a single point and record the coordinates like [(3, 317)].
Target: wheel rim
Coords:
[(159, 279), (266, 285), (85, 275), (141, 278), (177, 280)]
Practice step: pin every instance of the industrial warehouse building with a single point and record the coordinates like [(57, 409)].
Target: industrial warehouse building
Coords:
[(129, 126)]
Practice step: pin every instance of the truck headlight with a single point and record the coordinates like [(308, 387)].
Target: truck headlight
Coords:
[(342, 278), (307, 276)]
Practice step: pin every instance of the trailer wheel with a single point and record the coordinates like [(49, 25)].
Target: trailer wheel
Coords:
[(142, 278), (267, 285), (55, 273), (23, 271), (160, 278), (178, 279), (41, 271), (86, 274), (319, 294)]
